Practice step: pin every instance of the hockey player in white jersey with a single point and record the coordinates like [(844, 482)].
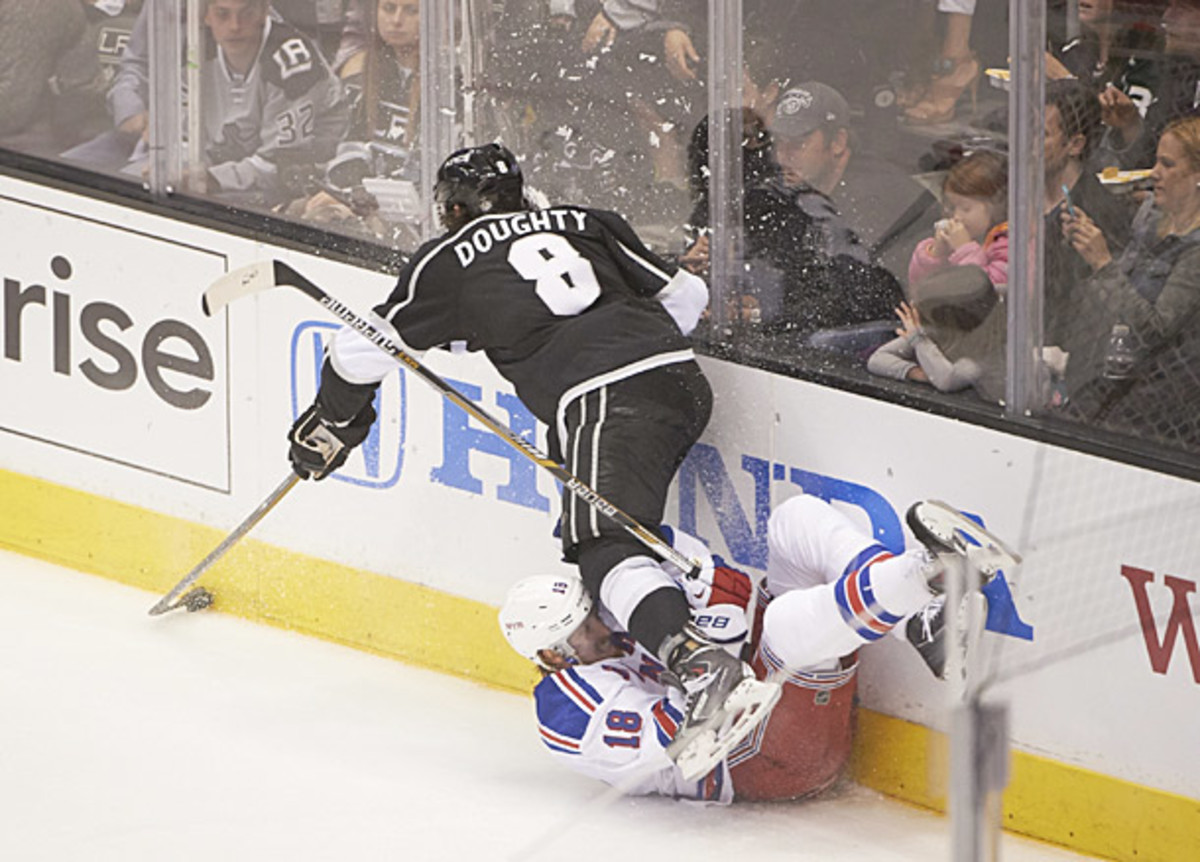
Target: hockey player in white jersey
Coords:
[(604, 710)]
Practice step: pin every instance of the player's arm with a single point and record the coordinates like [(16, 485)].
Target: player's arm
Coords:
[(682, 294), (340, 417)]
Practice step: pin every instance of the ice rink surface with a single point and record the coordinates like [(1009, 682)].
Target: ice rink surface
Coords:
[(203, 737)]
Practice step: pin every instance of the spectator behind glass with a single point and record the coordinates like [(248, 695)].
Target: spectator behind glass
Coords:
[(975, 229), (271, 109), (646, 50), (953, 336), (51, 84), (1072, 119), (1131, 139), (1116, 46), (806, 266), (758, 163), (934, 344), (1153, 288), (383, 81), (955, 70)]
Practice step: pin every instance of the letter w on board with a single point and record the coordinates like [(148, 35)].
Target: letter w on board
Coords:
[(1180, 621)]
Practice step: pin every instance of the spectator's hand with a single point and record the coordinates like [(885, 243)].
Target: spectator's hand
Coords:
[(953, 235), (939, 246), (1087, 239), (910, 320), (1117, 111), (695, 259), (324, 208), (751, 310), (601, 33), (761, 100), (681, 55)]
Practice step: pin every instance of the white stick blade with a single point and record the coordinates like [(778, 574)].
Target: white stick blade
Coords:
[(248, 279)]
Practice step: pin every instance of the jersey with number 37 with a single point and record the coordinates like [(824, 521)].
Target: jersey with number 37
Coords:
[(560, 300)]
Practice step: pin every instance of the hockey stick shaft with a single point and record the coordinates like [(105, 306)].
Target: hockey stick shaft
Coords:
[(267, 274), (166, 603)]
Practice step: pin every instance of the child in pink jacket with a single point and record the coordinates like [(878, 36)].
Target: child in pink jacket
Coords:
[(975, 229)]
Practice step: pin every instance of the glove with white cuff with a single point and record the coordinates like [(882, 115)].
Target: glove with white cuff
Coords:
[(321, 444), (685, 297), (716, 583)]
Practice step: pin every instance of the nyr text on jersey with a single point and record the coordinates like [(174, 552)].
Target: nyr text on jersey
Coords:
[(483, 238)]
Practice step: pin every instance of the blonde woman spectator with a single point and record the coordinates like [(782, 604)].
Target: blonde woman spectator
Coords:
[(1152, 287)]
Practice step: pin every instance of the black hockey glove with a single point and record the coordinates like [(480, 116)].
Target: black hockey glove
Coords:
[(320, 444)]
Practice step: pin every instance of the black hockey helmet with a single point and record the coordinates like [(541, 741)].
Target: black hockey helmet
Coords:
[(479, 180)]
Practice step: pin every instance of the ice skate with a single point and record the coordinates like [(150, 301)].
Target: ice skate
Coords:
[(724, 702), (953, 538), (926, 631)]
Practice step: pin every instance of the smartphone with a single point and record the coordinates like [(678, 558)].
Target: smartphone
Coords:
[(1067, 200)]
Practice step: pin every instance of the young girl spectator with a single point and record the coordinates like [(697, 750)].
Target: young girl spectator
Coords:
[(934, 342), (975, 230), (953, 337)]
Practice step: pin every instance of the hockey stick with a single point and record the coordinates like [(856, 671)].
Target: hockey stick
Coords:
[(200, 598), (265, 274)]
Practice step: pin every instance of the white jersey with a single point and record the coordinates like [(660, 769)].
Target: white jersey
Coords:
[(613, 720)]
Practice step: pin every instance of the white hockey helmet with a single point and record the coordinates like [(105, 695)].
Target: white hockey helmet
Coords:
[(541, 612)]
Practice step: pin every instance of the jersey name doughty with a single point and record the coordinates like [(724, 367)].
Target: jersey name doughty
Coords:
[(559, 299)]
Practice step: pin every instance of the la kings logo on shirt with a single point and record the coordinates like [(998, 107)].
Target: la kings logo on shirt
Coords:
[(293, 57)]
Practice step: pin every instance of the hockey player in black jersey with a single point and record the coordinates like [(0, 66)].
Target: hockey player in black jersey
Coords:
[(591, 329)]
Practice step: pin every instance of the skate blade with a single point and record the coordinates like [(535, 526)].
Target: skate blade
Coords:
[(984, 549), (697, 750)]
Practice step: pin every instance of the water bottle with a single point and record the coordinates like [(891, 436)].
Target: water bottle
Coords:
[(1118, 361)]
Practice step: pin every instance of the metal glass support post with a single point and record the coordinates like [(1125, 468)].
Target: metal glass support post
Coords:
[(1026, 136), (196, 172), (166, 88), (978, 776), (724, 157), (439, 102)]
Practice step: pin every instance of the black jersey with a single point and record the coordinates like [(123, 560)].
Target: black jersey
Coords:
[(560, 300)]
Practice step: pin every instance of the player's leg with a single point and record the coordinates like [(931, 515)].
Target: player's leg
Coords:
[(627, 440), (832, 588), (811, 542)]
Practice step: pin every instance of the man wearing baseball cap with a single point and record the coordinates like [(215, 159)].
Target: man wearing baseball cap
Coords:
[(807, 267), (811, 128)]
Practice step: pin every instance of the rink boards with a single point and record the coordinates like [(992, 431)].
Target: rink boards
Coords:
[(137, 433)]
